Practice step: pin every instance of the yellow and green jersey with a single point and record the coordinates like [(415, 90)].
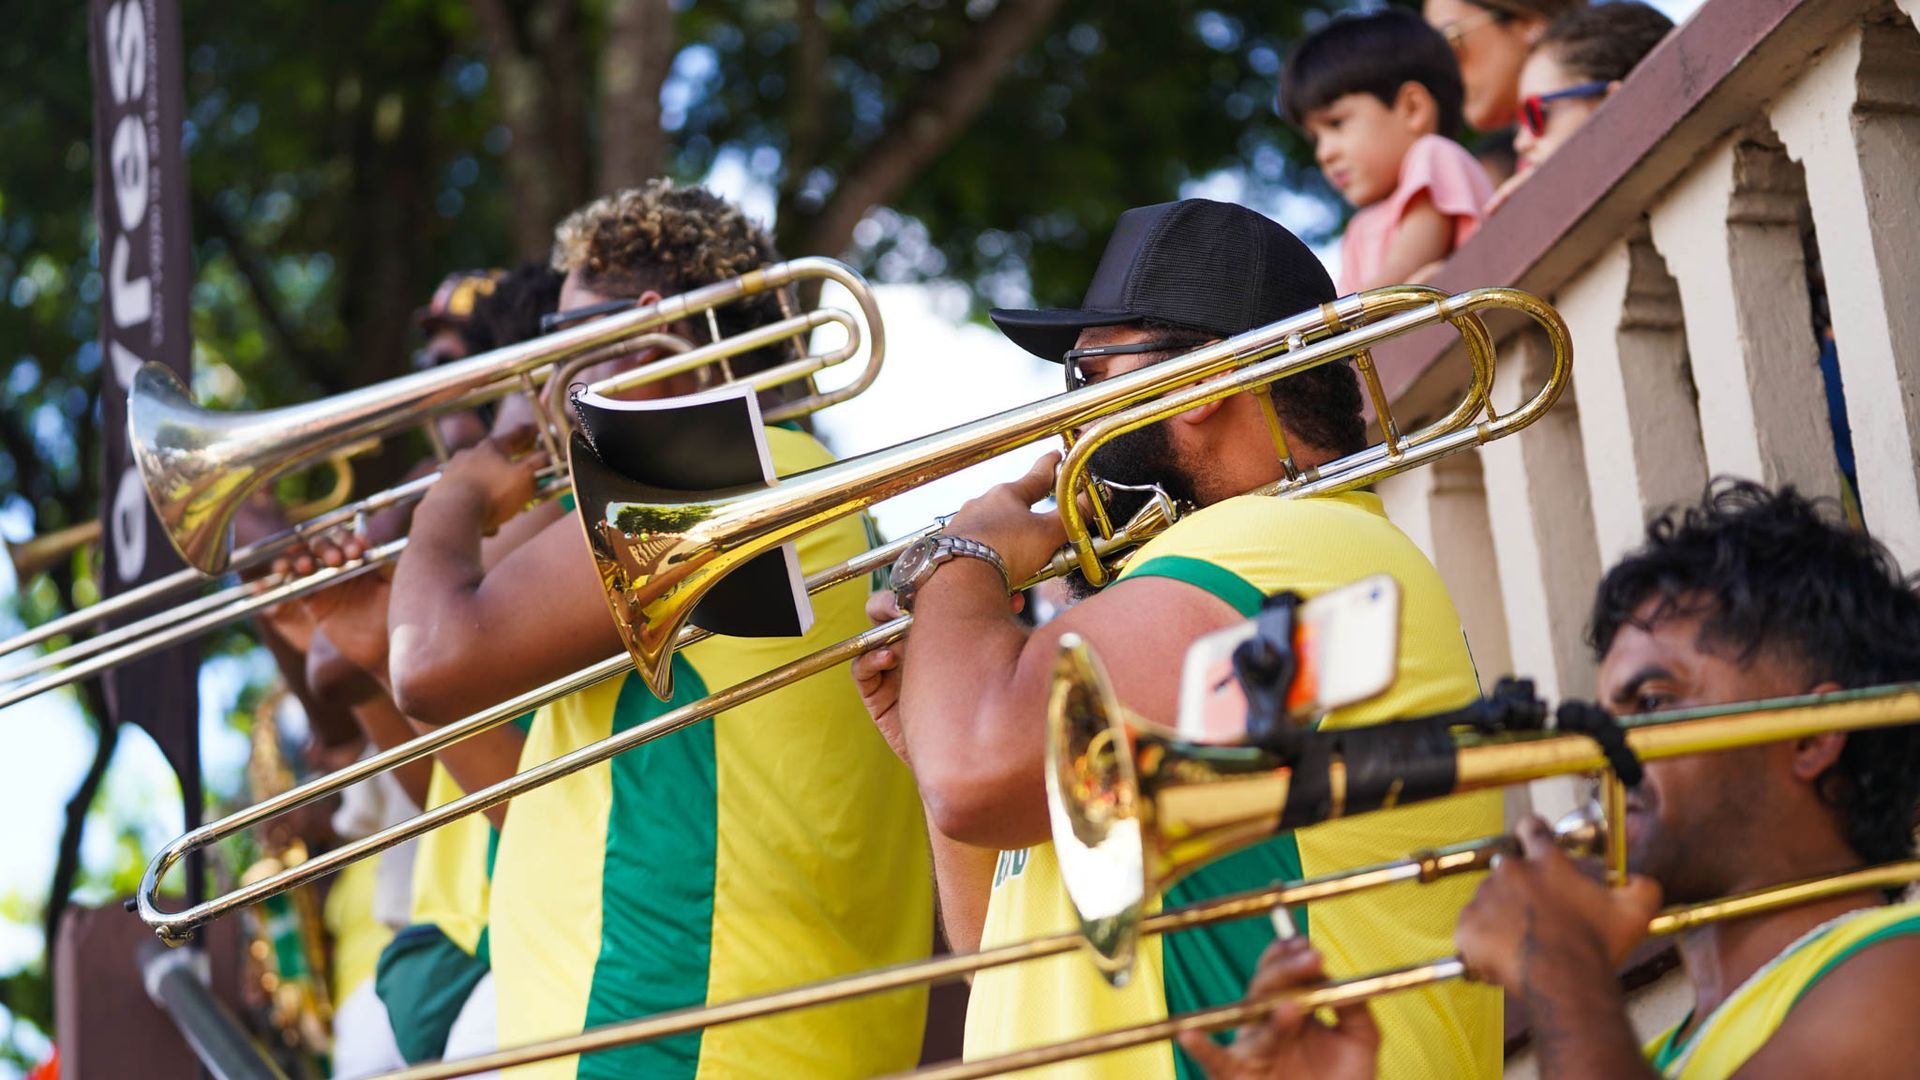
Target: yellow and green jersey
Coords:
[(432, 965), (358, 937), (779, 843), (1743, 1023), (1242, 550)]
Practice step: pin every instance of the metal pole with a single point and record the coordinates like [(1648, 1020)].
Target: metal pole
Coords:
[(176, 983)]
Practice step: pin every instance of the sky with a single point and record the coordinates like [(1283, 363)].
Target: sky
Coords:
[(939, 370)]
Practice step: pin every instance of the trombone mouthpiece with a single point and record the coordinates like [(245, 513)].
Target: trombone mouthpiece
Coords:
[(1582, 831)]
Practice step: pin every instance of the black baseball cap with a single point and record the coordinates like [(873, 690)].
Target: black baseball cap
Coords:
[(1204, 265)]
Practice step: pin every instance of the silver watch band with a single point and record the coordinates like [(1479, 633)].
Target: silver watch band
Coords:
[(973, 549), (945, 549)]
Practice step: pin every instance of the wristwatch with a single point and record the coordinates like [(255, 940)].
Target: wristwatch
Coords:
[(916, 564)]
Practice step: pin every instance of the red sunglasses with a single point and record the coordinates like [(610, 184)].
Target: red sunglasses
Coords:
[(1533, 110)]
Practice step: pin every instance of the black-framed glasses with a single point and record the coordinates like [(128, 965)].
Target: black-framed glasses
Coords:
[(1533, 110), (1071, 359), (556, 320)]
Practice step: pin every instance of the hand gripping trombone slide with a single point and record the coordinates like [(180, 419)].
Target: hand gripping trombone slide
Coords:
[(1347, 327)]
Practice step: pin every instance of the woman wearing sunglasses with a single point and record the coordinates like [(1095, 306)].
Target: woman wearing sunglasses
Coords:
[(1580, 59), (1491, 38)]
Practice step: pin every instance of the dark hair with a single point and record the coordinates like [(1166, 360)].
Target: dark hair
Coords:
[(671, 239), (1371, 54), (1320, 405), (1604, 42), (1508, 10), (1778, 575), (510, 314)]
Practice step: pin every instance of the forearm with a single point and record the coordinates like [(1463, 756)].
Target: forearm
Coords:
[(963, 878), (386, 728), (434, 621), (1579, 1021), (974, 739), (482, 760)]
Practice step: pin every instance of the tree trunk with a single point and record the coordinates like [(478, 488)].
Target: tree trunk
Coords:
[(538, 75), (924, 127), (638, 54)]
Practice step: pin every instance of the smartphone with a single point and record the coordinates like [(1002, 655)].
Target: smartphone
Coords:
[(1348, 644)]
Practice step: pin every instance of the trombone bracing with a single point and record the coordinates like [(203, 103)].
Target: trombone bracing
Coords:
[(269, 444), (1477, 763), (831, 492)]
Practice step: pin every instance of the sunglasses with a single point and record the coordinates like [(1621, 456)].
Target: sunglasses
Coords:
[(555, 320), (1077, 378), (1534, 111)]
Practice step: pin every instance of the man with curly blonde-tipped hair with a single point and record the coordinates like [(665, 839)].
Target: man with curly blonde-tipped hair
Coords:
[(778, 844)]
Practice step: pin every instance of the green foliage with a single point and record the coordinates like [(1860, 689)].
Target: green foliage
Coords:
[(1117, 105), (345, 155)]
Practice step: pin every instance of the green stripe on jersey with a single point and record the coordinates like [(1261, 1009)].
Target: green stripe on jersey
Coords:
[(1902, 928), (1212, 965), (657, 883), (1239, 593)]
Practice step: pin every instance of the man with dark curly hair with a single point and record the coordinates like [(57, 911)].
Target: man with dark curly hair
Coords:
[(1746, 596), (777, 844)]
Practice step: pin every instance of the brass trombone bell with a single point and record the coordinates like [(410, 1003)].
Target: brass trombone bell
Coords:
[(665, 549), (199, 465), (1134, 808), (30, 557)]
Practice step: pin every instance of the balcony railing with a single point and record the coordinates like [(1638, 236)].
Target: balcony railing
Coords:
[(1753, 184)]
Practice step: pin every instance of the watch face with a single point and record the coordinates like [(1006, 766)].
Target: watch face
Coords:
[(912, 561)]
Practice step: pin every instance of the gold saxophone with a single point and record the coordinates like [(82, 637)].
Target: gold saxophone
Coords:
[(286, 938)]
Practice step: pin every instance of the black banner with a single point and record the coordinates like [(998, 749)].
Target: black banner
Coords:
[(140, 201)]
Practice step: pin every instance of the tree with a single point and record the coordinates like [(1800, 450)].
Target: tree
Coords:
[(344, 156)]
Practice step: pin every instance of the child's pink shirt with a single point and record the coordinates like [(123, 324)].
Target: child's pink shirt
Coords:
[(1451, 178)]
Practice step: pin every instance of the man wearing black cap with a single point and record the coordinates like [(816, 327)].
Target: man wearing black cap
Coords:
[(968, 713)]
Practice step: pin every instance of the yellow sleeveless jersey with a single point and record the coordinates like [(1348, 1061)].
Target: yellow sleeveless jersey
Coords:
[(1745, 1021), (450, 869), (431, 966), (778, 843), (357, 936), (1242, 550)]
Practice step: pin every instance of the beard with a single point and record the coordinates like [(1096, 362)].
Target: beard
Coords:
[(1139, 459)]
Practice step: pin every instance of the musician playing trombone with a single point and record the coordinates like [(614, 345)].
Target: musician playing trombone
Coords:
[(965, 704), (1746, 596), (777, 845)]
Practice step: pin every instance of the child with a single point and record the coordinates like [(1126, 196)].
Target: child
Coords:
[(1378, 96)]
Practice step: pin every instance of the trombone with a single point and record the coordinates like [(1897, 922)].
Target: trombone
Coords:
[(200, 465), (1200, 798), (268, 444), (660, 551), (829, 492)]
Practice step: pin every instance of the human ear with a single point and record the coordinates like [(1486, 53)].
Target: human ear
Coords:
[(1199, 413), (1414, 106), (1815, 754)]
